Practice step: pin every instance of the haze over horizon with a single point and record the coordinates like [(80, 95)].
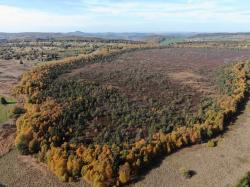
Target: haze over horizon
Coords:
[(124, 16)]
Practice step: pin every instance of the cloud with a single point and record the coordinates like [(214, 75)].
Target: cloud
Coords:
[(128, 15), (189, 11), (19, 19)]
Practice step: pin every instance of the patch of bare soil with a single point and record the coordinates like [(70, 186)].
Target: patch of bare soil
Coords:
[(220, 166)]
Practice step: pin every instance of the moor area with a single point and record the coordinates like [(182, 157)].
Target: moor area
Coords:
[(109, 111), (108, 115), (162, 89)]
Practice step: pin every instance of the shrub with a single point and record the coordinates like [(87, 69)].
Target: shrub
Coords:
[(22, 145), (34, 146), (187, 173), (4, 101), (124, 173), (211, 143), (244, 182), (18, 110)]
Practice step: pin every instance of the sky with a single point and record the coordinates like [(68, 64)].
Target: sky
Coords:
[(125, 15)]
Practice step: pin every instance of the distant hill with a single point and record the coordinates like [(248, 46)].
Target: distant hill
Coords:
[(145, 37), (40, 35), (124, 36), (152, 37), (220, 36), (29, 35)]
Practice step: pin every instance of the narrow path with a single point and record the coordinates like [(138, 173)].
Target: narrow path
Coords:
[(221, 166)]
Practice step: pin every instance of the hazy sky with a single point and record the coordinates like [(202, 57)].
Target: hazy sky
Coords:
[(125, 15)]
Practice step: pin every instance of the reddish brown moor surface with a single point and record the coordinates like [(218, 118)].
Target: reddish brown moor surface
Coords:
[(137, 74), (162, 74)]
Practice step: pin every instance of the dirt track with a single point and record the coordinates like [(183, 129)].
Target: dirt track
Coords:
[(221, 166)]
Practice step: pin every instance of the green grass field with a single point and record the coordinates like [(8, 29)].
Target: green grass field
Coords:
[(169, 41), (6, 110)]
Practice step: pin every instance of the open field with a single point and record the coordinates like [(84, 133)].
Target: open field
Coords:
[(173, 40), (238, 37), (230, 44)]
